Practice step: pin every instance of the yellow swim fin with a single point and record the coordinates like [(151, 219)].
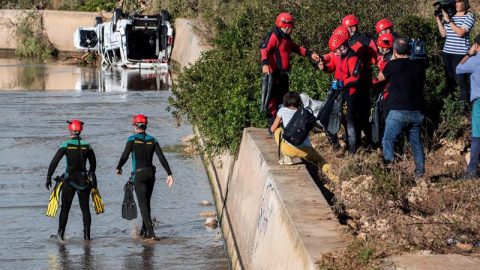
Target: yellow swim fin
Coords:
[(97, 201), (54, 199)]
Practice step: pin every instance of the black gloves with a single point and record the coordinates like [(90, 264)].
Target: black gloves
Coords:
[(93, 178), (48, 183)]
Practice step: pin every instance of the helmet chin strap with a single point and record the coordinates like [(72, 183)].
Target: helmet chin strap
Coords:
[(284, 29), (385, 52)]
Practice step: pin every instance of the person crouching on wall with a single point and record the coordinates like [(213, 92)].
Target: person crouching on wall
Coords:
[(291, 102)]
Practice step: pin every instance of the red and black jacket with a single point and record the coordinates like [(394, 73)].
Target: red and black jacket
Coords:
[(366, 50), (347, 69), (382, 61), (275, 50)]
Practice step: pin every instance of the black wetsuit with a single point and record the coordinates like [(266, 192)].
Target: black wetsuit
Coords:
[(142, 147), (75, 179)]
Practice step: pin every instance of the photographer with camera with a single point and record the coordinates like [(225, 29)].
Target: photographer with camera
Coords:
[(456, 26), (405, 104)]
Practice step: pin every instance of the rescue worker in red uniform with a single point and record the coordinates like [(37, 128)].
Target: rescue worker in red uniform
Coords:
[(366, 50), (342, 31), (275, 57), (385, 54), (385, 26), (346, 65)]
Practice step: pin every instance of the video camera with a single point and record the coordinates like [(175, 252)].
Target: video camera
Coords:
[(447, 5), (417, 49)]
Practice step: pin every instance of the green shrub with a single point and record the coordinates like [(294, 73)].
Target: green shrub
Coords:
[(94, 5), (31, 39)]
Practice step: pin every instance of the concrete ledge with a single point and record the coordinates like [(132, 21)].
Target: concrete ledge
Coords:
[(432, 262), (272, 216)]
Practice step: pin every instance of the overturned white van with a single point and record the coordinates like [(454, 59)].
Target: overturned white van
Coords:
[(132, 41)]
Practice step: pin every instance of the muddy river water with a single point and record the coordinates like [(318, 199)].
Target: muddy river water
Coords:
[(32, 120)]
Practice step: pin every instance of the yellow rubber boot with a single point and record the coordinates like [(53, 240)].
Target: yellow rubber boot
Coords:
[(327, 170)]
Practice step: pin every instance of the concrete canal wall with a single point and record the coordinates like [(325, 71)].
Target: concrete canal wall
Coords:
[(272, 216), (59, 27)]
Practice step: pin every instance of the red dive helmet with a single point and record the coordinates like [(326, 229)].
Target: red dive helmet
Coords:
[(139, 119), (75, 126), (284, 20), (385, 40), (342, 31), (336, 40), (350, 20), (383, 24)]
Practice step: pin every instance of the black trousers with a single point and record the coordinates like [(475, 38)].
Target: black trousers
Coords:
[(144, 181), (279, 89), (450, 62), (68, 193)]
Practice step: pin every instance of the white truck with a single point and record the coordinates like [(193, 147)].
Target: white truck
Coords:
[(132, 41)]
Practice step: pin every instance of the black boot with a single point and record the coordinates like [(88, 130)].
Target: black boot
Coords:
[(86, 234), (58, 236), (143, 231), (150, 235)]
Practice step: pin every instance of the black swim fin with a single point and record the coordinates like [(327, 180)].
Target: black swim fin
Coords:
[(267, 84), (129, 207), (336, 114), (376, 120)]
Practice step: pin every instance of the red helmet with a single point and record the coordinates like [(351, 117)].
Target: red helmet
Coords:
[(336, 40), (75, 126), (385, 40), (350, 20), (383, 24), (284, 20), (140, 119), (341, 30)]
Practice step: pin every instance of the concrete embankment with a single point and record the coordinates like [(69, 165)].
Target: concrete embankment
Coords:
[(59, 27), (272, 216)]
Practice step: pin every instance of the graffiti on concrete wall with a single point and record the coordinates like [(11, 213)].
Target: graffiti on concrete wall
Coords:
[(267, 207)]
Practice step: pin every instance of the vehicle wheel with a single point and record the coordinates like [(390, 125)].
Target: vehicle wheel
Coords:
[(165, 15), (98, 20), (117, 14)]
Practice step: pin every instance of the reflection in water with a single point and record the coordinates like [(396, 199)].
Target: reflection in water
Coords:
[(65, 260), (15, 75), (116, 79), (32, 77), (142, 260)]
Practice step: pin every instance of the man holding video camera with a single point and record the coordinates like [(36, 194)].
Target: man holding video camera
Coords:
[(405, 103), (456, 25)]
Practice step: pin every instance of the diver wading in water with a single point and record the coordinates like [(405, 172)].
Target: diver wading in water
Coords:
[(77, 152), (143, 146)]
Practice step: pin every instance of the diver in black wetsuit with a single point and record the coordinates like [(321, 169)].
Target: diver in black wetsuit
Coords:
[(142, 147), (77, 152)]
